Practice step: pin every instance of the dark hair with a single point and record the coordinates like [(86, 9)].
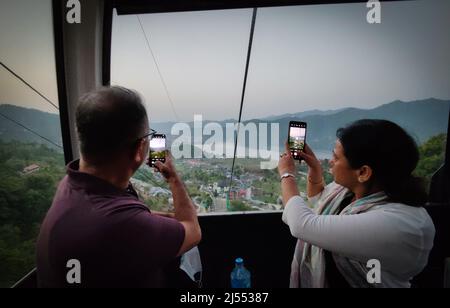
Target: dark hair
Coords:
[(108, 120), (391, 153)]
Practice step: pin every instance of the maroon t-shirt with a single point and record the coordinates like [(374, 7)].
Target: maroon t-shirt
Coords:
[(113, 235)]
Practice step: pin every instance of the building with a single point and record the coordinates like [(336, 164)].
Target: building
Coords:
[(236, 194), (248, 193), (31, 169), (257, 192), (156, 191)]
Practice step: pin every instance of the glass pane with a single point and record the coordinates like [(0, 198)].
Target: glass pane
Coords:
[(327, 66), (30, 166), (188, 66)]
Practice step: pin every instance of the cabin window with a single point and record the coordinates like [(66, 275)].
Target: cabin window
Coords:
[(30, 166), (323, 64)]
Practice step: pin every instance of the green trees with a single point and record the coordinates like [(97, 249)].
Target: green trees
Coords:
[(157, 203), (207, 201), (237, 205), (432, 156), (24, 200)]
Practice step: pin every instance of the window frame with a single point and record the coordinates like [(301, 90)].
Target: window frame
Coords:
[(125, 7)]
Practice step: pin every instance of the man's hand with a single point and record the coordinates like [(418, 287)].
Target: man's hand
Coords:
[(167, 169), (185, 211)]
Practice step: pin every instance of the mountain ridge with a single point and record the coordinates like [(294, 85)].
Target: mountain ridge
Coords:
[(421, 118)]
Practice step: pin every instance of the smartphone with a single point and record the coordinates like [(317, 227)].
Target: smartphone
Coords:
[(157, 149), (297, 138)]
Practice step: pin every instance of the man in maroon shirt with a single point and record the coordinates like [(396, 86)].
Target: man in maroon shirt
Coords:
[(96, 217)]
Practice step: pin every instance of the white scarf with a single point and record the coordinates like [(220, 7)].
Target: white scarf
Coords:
[(308, 265)]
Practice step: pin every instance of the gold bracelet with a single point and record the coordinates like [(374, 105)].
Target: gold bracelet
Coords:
[(315, 183)]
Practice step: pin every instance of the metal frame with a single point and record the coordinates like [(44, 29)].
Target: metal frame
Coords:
[(136, 7), (156, 6), (61, 80), (125, 7), (163, 6)]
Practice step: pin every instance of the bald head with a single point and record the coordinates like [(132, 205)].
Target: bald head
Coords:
[(109, 120)]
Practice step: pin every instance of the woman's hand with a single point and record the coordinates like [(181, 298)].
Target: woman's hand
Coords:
[(310, 159), (288, 184), (286, 162), (315, 175)]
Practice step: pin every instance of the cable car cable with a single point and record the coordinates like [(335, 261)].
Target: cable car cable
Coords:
[(157, 68), (28, 85), (30, 130), (250, 43)]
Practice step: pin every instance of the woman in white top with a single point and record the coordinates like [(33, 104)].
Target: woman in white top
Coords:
[(367, 228)]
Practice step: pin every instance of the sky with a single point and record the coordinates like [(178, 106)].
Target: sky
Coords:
[(26, 46), (303, 58)]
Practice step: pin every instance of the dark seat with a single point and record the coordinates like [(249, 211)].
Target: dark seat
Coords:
[(438, 208), (433, 274)]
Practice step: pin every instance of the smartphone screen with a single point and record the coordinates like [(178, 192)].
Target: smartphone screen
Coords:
[(157, 149), (297, 138)]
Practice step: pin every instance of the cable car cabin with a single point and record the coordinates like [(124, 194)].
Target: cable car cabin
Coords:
[(220, 82)]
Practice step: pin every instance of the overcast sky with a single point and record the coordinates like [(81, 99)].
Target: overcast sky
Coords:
[(303, 58), (26, 46)]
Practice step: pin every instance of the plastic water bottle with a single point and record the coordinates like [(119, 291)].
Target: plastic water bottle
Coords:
[(240, 276)]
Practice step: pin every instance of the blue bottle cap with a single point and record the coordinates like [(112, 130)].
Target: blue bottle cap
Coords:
[(239, 261)]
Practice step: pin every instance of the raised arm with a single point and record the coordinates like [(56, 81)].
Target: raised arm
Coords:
[(381, 234), (185, 211)]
